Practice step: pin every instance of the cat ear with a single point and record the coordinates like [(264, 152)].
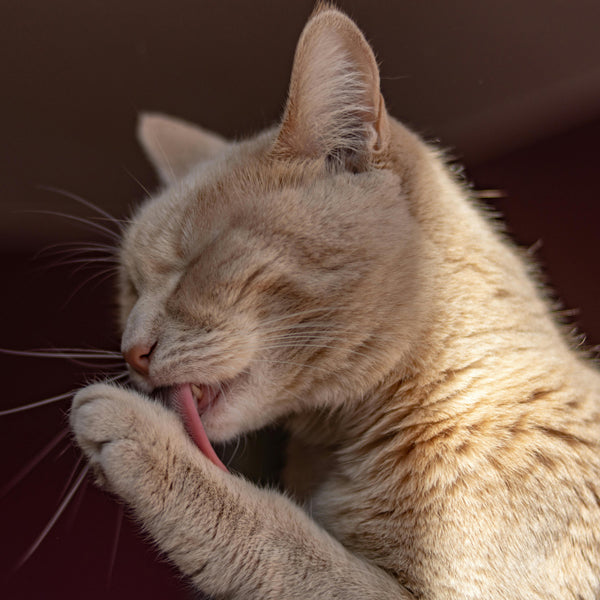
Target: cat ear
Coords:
[(335, 109), (174, 146)]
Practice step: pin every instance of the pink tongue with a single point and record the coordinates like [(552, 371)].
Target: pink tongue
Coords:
[(185, 401)]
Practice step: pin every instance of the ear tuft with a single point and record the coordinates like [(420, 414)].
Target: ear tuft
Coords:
[(334, 109), (173, 146)]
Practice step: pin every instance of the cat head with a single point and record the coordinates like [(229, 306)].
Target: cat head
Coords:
[(277, 274)]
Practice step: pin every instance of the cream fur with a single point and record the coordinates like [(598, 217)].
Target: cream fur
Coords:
[(330, 273), (175, 147)]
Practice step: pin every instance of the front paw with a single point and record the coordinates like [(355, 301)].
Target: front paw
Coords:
[(126, 437)]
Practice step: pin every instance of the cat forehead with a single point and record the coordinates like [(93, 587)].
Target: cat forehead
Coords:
[(187, 203), (245, 189)]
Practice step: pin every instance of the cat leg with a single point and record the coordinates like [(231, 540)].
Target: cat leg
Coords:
[(230, 537)]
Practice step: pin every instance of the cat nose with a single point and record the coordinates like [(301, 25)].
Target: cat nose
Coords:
[(138, 358)]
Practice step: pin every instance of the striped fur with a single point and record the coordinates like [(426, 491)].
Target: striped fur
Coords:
[(331, 274)]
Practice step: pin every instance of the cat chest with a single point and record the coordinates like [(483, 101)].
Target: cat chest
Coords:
[(362, 519), (357, 516)]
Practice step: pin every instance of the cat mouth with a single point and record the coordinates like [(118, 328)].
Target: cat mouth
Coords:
[(192, 401)]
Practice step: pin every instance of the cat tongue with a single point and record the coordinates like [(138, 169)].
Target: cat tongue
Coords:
[(184, 400)]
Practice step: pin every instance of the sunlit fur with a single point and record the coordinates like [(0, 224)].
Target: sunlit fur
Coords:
[(331, 275)]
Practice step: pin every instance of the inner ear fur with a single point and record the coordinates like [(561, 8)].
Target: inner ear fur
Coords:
[(335, 109), (174, 146)]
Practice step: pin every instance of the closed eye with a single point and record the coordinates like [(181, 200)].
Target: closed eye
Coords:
[(128, 287), (251, 279)]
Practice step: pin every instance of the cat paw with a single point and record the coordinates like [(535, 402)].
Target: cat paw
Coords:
[(126, 437)]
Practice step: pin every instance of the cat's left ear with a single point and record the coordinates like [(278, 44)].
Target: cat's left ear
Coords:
[(173, 146), (335, 109)]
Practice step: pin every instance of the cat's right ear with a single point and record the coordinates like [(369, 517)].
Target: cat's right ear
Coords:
[(335, 110), (174, 146)]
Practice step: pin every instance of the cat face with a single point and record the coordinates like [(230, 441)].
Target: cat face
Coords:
[(277, 274)]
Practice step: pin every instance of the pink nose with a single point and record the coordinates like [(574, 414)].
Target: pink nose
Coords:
[(138, 358)]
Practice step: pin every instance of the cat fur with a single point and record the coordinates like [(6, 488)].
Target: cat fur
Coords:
[(332, 275)]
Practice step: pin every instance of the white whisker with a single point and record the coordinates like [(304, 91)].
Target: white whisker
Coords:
[(78, 248), (306, 328), (36, 460), (142, 186), (309, 335), (55, 518), (64, 396), (76, 505), (66, 447), (79, 199), (302, 313), (285, 362), (115, 545), (25, 407), (72, 349), (316, 346), (85, 261), (87, 222), (109, 366), (63, 353), (70, 478), (104, 274), (235, 451)]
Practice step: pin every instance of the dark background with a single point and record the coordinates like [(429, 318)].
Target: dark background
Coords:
[(513, 87)]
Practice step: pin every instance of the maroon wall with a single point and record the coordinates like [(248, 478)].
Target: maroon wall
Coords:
[(74, 75)]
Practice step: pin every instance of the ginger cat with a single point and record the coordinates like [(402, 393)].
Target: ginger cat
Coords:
[(331, 275)]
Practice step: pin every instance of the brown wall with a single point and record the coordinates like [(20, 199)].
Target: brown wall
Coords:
[(513, 86)]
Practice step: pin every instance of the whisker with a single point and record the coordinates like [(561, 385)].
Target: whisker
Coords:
[(103, 275), (87, 222), (106, 273), (302, 313), (72, 349), (79, 255), (65, 449), (235, 450), (76, 505), (32, 405), (81, 244), (89, 261), (310, 327), (77, 248), (63, 353), (83, 263), (285, 362), (25, 407), (72, 196), (70, 478), (221, 389), (76, 245), (115, 546), (104, 366), (142, 186), (309, 335), (88, 349), (80, 262), (35, 545), (318, 346), (36, 460), (80, 250), (118, 222), (116, 377)]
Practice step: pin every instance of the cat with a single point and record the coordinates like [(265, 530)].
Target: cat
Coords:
[(331, 275)]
